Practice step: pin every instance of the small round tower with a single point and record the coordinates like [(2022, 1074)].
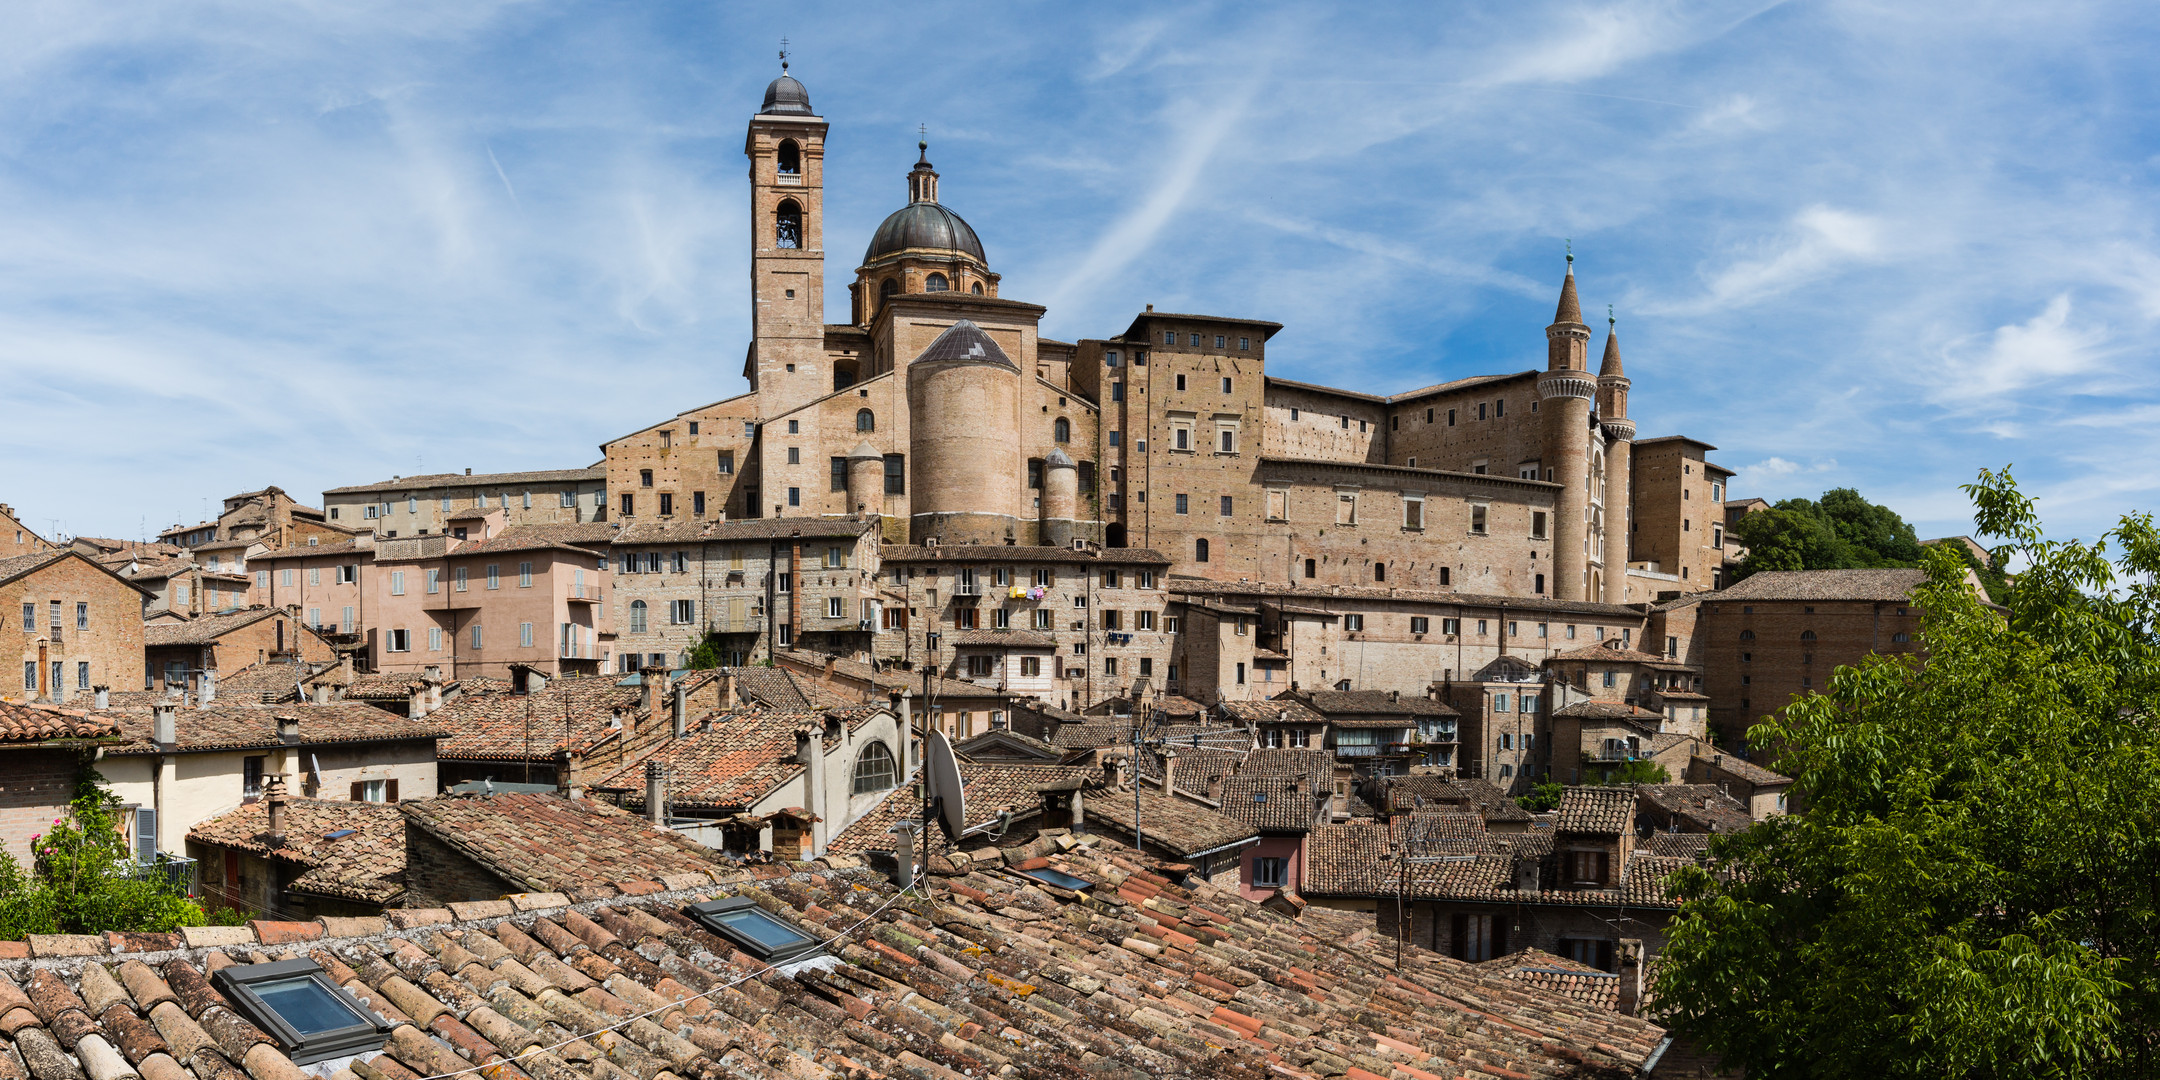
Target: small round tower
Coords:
[(1619, 465), (866, 481), (963, 403), (1568, 392), (1060, 500)]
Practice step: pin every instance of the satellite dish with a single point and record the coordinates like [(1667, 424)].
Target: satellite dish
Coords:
[(941, 772)]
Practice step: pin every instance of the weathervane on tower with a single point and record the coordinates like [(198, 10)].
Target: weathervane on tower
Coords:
[(783, 56)]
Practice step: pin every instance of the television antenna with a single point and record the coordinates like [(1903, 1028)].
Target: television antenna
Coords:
[(1421, 843), (1156, 738)]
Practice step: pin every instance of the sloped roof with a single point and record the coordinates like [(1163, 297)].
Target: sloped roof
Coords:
[(45, 723), (366, 863), (1596, 810), (567, 714), (1744, 769), (992, 972), (546, 843), (238, 725), (1698, 807), (1272, 804), (1348, 860), (1340, 705), (727, 763), (432, 481), (1181, 828), (1560, 975), (204, 629), (992, 788), (1893, 585)]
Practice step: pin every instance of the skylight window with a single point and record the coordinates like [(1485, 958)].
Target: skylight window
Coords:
[(1059, 878), (740, 920), (311, 1018)]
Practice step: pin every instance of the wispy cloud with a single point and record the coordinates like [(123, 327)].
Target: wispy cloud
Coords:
[(2020, 356)]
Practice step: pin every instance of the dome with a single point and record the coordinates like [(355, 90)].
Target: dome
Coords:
[(786, 97), (924, 225)]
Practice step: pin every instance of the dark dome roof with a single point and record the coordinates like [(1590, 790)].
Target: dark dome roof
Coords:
[(924, 225), (786, 97)]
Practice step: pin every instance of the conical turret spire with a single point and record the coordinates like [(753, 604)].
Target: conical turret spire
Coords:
[(1570, 308), (1611, 365)]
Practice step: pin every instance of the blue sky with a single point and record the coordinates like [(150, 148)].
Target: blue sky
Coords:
[(1870, 245)]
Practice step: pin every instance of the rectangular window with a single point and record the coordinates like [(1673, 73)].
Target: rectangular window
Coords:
[(1451, 418), (1226, 379), (1226, 506), (82, 615), (1413, 514), (434, 639), (525, 634), (838, 466), (397, 582), (1143, 620), (400, 641), (629, 504), (1113, 620), (29, 676), (1181, 502), (895, 474), (667, 503), (1002, 618), (1114, 439), (794, 496), (82, 675), (1109, 665), (1117, 391), (524, 575), (1451, 626), (345, 624), (1042, 618), (348, 574), (251, 777), (1477, 517), (1353, 622), (682, 612), (1278, 505), (1030, 667), (476, 636), (1226, 440), (1419, 624), (494, 575), (783, 582), (1537, 524)]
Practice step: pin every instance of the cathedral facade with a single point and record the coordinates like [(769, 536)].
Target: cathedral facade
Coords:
[(939, 410)]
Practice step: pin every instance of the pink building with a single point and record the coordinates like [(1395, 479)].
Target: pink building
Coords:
[(524, 595)]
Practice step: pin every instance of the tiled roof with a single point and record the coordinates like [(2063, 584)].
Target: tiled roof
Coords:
[(236, 725), (1092, 733), (458, 480), (1003, 553), (204, 629), (1271, 804), (567, 714), (546, 843), (10, 569), (1004, 639), (1443, 831), (889, 680), (1179, 827), (1348, 860), (1608, 710), (695, 532), (383, 686), (1698, 807), (1744, 769), (1596, 810), (726, 763), (266, 681), (1560, 975), (993, 974), (1679, 845), (1610, 652), (365, 863), (1406, 793), (1276, 711), (1338, 705), (991, 788), (1887, 586), (1193, 586), (42, 723), (310, 551)]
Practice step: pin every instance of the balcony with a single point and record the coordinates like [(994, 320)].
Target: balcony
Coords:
[(968, 590), (584, 594)]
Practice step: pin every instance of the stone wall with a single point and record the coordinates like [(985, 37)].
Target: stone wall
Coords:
[(35, 787)]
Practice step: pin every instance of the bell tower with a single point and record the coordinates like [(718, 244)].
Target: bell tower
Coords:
[(786, 147)]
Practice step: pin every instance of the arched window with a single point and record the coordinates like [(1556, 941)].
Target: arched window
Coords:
[(637, 616), (787, 225), (790, 158), (934, 283), (1379, 571), (1747, 635), (888, 288), (1062, 430), (976, 289), (865, 420), (1199, 551), (1807, 635), (874, 769)]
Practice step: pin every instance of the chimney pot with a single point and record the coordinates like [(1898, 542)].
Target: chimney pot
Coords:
[(274, 792), (288, 728), (656, 794), (104, 697), (682, 708), (162, 730), (1169, 771)]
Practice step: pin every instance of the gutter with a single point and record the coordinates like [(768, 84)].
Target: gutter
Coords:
[(1650, 1064)]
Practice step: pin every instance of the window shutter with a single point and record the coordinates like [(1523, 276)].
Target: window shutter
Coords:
[(1459, 947), (390, 791), (357, 794)]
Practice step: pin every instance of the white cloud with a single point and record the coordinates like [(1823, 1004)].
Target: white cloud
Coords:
[(1779, 468), (2017, 357), (1819, 241)]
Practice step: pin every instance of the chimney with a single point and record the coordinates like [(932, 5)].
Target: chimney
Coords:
[(903, 854), (1169, 771), (322, 693), (652, 680), (288, 729), (104, 697), (468, 471), (567, 776), (656, 794), (831, 662), (1079, 814), (1631, 975), (682, 708), (161, 725), (906, 708), (810, 750), (1394, 695), (274, 790), (209, 686), (1214, 789), (415, 700)]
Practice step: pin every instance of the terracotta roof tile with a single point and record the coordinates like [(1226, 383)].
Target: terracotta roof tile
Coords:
[(40, 723), (550, 844), (1884, 586), (432, 481), (365, 863), (567, 714), (725, 763), (227, 725), (1599, 810)]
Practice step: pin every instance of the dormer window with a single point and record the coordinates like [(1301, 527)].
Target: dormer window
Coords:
[(740, 920), (293, 1001)]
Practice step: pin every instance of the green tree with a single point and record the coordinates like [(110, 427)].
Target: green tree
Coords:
[(1541, 798), (84, 880), (1634, 772), (1972, 892), (1840, 531)]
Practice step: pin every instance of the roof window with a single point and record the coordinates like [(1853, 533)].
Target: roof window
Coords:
[(311, 1018), (1059, 878), (740, 920)]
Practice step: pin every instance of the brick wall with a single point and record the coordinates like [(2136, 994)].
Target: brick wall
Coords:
[(437, 874), (111, 644), (35, 786), (1756, 660)]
